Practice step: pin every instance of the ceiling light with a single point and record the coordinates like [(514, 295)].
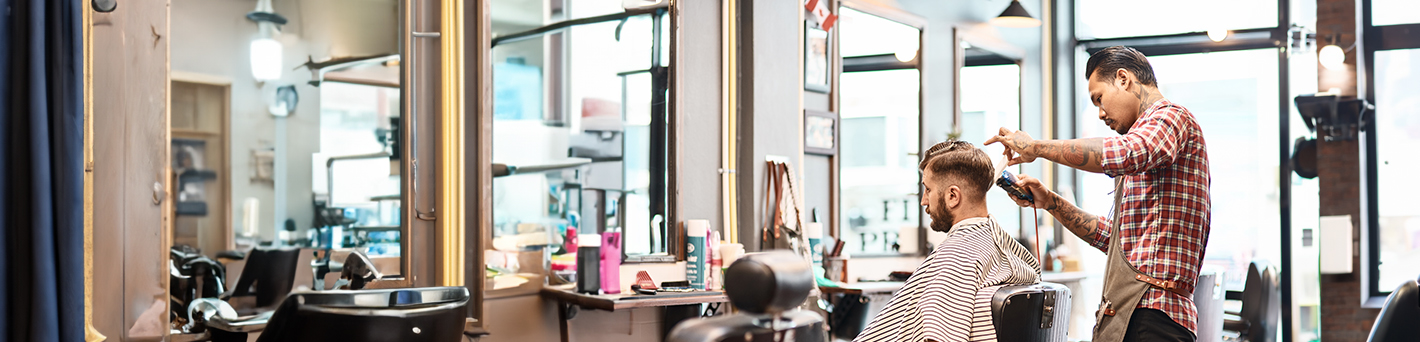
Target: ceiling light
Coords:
[(265, 50), (1332, 57), (906, 55), (1217, 35), (1015, 16)]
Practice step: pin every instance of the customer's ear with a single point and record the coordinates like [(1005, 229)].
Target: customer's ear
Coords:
[(954, 197)]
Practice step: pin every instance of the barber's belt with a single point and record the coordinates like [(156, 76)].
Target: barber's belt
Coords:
[(1168, 285)]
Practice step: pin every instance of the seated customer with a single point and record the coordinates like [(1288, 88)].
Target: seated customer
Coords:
[(948, 298)]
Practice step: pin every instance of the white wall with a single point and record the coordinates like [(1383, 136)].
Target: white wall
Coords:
[(212, 37)]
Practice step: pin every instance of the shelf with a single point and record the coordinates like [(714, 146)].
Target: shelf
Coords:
[(566, 294)]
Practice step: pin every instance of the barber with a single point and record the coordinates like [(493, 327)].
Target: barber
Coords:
[(1159, 225)]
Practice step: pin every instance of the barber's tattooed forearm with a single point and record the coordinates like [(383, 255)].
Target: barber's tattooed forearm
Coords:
[(1080, 222), (1085, 154)]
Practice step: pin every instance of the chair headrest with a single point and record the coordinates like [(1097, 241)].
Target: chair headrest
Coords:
[(768, 282)]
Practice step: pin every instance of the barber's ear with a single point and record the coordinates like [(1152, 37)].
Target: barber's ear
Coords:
[(1123, 79)]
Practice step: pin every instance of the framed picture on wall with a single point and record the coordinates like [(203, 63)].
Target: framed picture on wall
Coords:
[(820, 132), (817, 65)]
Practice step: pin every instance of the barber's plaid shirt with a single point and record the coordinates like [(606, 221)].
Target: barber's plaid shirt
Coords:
[(1165, 207)]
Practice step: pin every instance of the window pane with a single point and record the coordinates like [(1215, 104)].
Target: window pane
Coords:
[(993, 101), (1394, 12), (1126, 18), (879, 114), (1233, 95), (1397, 136), (867, 35)]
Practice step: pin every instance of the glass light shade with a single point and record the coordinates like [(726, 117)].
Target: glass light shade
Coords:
[(1332, 57), (906, 55), (1217, 35), (265, 59), (1016, 22)]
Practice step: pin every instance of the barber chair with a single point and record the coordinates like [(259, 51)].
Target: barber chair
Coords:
[(765, 287), (1399, 316), (1258, 318), (268, 275), (1031, 312), (432, 314)]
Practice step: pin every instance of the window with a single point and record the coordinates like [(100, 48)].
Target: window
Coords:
[(991, 102), (1097, 19), (1397, 131), (1234, 97), (879, 139), (1392, 52), (1394, 12)]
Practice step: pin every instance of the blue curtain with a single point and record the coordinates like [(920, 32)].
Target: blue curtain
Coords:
[(41, 171)]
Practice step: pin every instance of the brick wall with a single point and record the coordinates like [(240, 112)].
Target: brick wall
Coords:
[(1338, 169), (1339, 172)]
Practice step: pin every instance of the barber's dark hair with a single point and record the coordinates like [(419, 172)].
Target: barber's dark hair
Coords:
[(961, 159), (1120, 57)]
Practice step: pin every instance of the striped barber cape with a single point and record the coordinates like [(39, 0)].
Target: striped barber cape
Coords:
[(948, 298)]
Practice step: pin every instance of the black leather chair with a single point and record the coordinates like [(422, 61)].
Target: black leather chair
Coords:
[(765, 287), (1259, 316), (1398, 319), (1031, 312)]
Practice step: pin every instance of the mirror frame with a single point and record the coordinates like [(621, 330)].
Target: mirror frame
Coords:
[(1006, 52)]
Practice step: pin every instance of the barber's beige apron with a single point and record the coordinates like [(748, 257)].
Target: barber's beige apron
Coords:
[(1124, 285)]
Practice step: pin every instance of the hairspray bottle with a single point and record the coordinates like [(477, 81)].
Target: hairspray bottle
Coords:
[(611, 262)]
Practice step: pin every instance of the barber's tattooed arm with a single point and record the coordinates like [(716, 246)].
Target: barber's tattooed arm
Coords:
[(1078, 221), (1084, 154)]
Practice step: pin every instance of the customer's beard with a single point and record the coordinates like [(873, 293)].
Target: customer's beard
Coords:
[(942, 220)]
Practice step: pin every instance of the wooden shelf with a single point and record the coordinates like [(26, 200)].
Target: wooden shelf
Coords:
[(565, 294)]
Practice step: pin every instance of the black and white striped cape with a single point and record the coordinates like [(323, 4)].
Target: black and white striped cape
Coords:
[(948, 298)]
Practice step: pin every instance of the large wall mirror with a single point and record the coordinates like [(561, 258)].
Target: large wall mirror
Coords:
[(581, 131), (289, 135), (988, 89), (881, 113)]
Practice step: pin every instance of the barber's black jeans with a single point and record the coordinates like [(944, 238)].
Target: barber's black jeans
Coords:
[(1155, 325)]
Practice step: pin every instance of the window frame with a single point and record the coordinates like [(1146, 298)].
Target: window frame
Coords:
[(1374, 38), (1278, 37)]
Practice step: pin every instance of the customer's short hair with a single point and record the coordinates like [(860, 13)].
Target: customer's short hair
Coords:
[(960, 159), (1120, 57)]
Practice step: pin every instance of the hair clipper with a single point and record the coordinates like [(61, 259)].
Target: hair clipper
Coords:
[(1008, 182)]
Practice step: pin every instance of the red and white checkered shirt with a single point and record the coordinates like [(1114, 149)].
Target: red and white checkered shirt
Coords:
[(1165, 209)]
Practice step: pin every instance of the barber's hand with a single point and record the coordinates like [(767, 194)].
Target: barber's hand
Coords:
[(1018, 145), (1044, 198)]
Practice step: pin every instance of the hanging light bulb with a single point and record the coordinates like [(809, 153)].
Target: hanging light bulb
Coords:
[(1332, 57), (907, 48), (1217, 35), (1015, 16), (265, 50)]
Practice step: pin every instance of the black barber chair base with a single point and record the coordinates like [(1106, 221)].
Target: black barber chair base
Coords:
[(793, 325), (1034, 312)]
